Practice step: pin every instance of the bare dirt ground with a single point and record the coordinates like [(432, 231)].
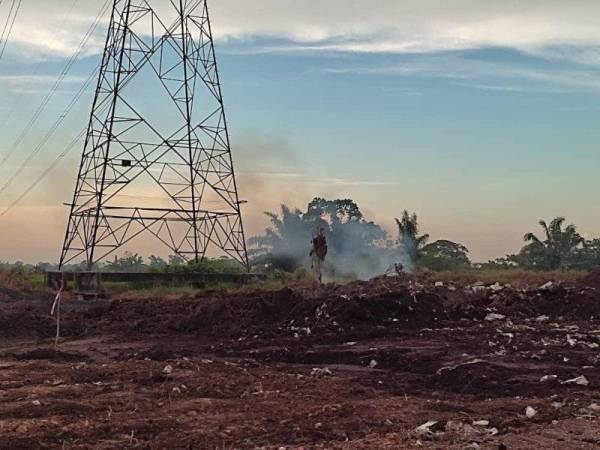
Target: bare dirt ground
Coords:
[(361, 366)]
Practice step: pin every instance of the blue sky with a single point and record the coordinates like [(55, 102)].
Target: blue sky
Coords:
[(482, 118)]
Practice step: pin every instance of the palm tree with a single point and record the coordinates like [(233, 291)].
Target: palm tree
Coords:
[(285, 243), (559, 243), (410, 241)]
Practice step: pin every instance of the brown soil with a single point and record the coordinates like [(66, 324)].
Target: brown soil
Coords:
[(359, 366)]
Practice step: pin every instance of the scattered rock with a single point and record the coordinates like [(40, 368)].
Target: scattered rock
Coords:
[(530, 412), (547, 378), (168, 369), (491, 317), (463, 429), (426, 430), (481, 423), (496, 287), (318, 372), (373, 364), (36, 403), (580, 380), (472, 446)]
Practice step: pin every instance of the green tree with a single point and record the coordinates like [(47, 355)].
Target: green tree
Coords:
[(410, 243), (355, 244), (553, 250), (284, 244), (444, 255), (156, 263), (585, 257), (130, 262)]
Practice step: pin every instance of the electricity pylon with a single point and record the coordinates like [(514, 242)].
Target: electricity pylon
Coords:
[(157, 158)]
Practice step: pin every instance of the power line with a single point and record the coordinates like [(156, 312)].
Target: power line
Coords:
[(48, 135), (55, 86), (12, 24), (45, 173), (51, 131), (37, 67), (12, 7)]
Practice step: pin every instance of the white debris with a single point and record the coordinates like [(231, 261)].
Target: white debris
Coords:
[(580, 380), (425, 429), (473, 446), (494, 316), (481, 423), (546, 378), (464, 429), (473, 361), (320, 373), (548, 285), (496, 287), (572, 342), (557, 405), (168, 369), (36, 403), (530, 412), (373, 364), (542, 318), (439, 284)]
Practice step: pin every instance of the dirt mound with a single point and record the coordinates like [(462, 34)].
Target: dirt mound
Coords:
[(557, 301), (592, 280), (9, 294), (49, 354), (291, 312), (24, 321)]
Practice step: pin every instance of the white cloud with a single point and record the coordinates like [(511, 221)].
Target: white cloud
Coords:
[(296, 177), (542, 27), (33, 84), (485, 75)]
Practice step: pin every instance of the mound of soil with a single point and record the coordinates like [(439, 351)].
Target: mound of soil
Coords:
[(49, 354), (569, 302), (592, 280)]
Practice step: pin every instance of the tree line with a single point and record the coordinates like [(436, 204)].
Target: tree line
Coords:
[(361, 248)]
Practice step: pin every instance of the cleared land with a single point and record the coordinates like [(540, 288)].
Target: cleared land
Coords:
[(359, 366)]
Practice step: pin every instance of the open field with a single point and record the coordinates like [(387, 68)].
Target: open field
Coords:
[(359, 366)]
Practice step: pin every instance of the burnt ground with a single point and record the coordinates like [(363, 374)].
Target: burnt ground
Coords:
[(355, 367)]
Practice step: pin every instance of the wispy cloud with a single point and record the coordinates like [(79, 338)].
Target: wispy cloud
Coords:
[(296, 177), (33, 84), (484, 75), (550, 28)]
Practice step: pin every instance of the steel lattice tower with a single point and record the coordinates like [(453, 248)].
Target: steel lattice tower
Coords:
[(157, 158)]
